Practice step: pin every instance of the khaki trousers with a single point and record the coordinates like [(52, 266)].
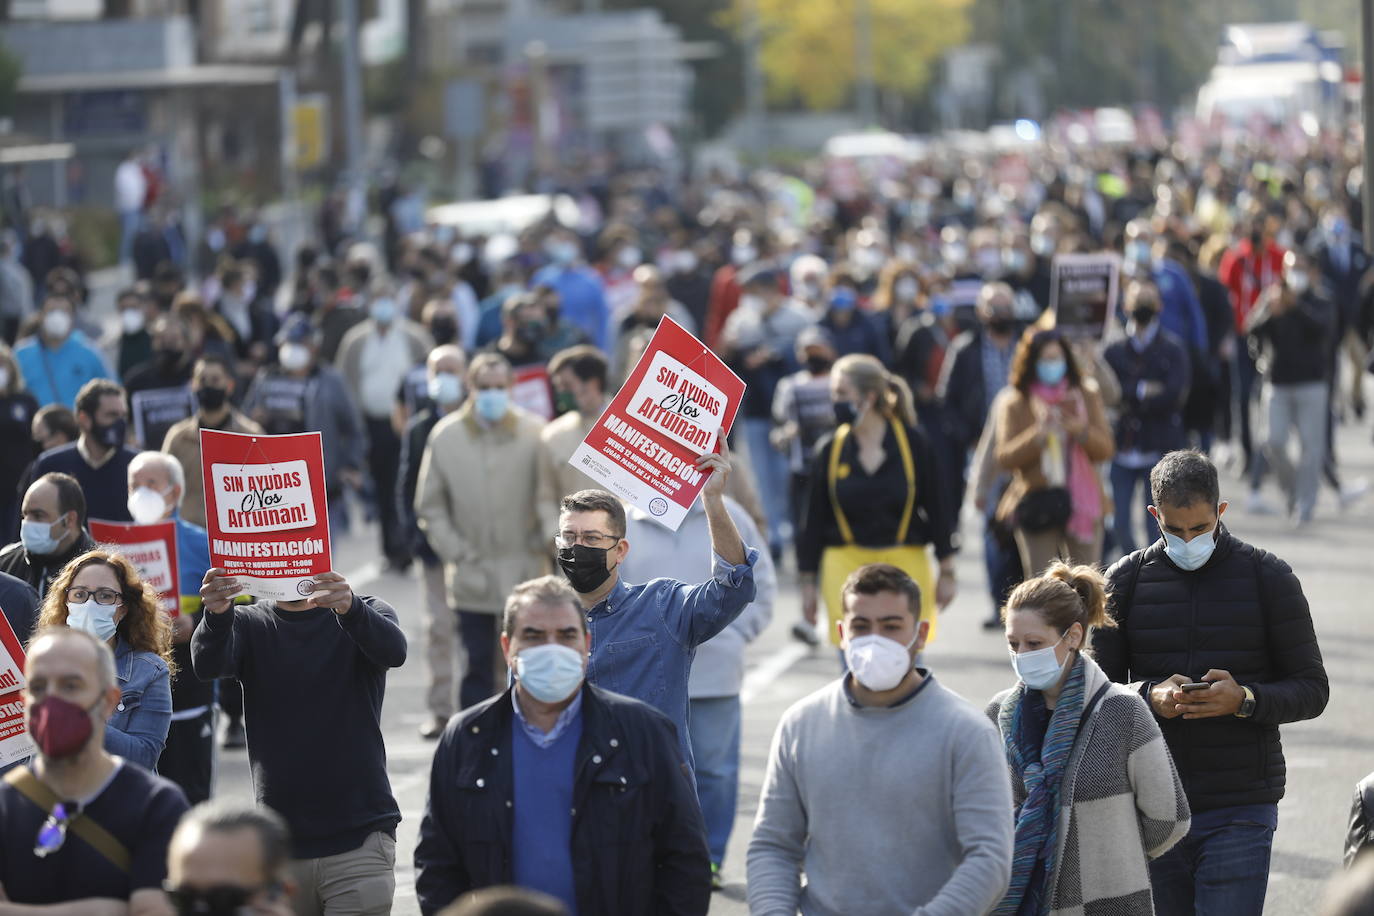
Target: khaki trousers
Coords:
[(1039, 548), (357, 883)]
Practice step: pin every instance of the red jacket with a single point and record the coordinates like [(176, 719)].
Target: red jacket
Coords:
[(1246, 276)]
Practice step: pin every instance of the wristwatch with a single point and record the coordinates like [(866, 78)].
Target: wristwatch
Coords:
[(1247, 705)]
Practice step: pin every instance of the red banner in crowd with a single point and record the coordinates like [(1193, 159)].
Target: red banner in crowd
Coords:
[(266, 511), (645, 445), (14, 738), (153, 551)]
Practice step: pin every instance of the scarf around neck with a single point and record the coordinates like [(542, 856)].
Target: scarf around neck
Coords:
[(1085, 495)]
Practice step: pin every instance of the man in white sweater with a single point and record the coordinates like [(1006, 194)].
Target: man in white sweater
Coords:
[(888, 791)]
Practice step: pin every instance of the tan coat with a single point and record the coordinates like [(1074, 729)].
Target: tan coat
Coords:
[(183, 443), (476, 503), (1018, 448), (557, 478), (349, 362)]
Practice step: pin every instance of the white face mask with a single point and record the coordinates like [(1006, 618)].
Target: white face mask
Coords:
[(93, 617), (1039, 669), (906, 289), (293, 356), (877, 662), (58, 323), (629, 257), (132, 320), (752, 303), (1190, 555), (147, 505)]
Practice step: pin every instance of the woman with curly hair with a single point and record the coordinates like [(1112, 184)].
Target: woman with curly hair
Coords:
[(102, 593)]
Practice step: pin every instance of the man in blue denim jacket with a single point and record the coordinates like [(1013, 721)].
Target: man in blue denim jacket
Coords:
[(644, 637)]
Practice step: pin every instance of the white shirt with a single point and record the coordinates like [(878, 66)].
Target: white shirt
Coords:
[(386, 360), (130, 187)]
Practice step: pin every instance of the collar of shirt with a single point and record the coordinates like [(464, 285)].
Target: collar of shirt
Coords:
[(1142, 343), (926, 678), (560, 725), (612, 602), (94, 462)]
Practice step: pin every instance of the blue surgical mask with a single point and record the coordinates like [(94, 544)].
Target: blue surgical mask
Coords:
[(37, 538), (940, 306), (550, 673), (843, 300), (492, 403), (1039, 669), (383, 311), (1190, 555), (93, 617), (446, 388), (1051, 371)]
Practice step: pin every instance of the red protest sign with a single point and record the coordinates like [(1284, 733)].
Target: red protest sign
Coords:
[(645, 445), (266, 511), (530, 389), (153, 551), (14, 738)]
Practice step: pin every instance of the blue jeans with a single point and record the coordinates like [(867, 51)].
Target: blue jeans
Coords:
[(1221, 868), (1124, 483), (771, 475), (130, 221), (714, 727)]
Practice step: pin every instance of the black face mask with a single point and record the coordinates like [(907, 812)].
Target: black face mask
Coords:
[(443, 330), (585, 567), (845, 412), (531, 334), (1143, 314), (212, 398), (818, 365), (1001, 325), (110, 434), (168, 359), (1256, 238)]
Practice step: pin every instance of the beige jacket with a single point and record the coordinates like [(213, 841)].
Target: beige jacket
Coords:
[(557, 478), (349, 361), (183, 444), (476, 503)]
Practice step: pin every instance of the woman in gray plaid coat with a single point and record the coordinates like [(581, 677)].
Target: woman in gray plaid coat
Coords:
[(1096, 792)]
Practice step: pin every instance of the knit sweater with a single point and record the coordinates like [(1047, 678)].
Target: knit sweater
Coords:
[(1121, 803), (905, 809)]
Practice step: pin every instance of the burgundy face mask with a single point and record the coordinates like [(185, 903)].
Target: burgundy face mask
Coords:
[(59, 727)]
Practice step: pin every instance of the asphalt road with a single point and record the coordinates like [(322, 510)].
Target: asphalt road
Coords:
[(1326, 757)]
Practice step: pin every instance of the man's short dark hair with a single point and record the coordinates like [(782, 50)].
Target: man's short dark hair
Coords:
[(505, 901), (876, 578), (1182, 478), (544, 590), (89, 397), (70, 497), (206, 360), (597, 501), (59, 419), (584, 361), (219, 816)]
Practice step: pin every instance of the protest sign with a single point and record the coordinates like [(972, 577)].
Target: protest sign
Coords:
[(153, 551), (266, 511), (157, 411), (14, 739), (645, 445), (530, 389), (1082, 292)]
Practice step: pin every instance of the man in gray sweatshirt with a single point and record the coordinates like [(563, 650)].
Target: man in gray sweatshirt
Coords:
[(888, 791)]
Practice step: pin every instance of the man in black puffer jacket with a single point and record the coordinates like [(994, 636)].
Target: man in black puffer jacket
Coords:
[(1202, 606)]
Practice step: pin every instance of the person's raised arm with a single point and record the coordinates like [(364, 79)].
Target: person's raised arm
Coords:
[(369, 622), (725, 540), (215, 650)]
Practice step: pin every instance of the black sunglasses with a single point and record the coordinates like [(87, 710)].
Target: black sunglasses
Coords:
[(222, 900)]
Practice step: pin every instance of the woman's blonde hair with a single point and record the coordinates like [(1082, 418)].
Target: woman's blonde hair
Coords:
[(145, 627), (1063, 596), (868, 376)]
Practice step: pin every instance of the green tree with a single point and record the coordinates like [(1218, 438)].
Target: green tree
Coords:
[(10, 71)]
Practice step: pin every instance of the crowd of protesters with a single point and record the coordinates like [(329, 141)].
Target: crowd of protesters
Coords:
[(907, 382)]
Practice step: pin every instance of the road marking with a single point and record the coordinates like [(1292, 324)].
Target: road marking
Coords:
[(772, 668)]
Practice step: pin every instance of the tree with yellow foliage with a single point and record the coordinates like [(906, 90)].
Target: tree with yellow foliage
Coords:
[(809, 48)]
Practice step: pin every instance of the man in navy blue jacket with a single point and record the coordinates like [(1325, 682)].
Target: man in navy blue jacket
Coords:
[(562, 787), (314, 675), (1154, 370)]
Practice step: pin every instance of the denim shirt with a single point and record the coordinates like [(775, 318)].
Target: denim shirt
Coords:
[(644, 637), (137, 731)]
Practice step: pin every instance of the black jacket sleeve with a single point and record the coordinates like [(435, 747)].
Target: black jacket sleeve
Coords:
[(961, 390), (1300, 688), (371, 623), (1109, 645), (939, 506), (216, 645), (682, 863), (440, 876)]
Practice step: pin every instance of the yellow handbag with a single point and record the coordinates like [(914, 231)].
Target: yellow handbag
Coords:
[(839, 561)]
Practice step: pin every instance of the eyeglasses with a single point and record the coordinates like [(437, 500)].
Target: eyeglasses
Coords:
[(79, 594), (565, 539), (53, 833), (221, 900)]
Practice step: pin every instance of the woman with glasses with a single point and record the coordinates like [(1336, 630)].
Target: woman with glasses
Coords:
[(101, 592)]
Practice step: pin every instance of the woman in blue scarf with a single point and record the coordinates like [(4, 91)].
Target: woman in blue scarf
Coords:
[(1096, 792)]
